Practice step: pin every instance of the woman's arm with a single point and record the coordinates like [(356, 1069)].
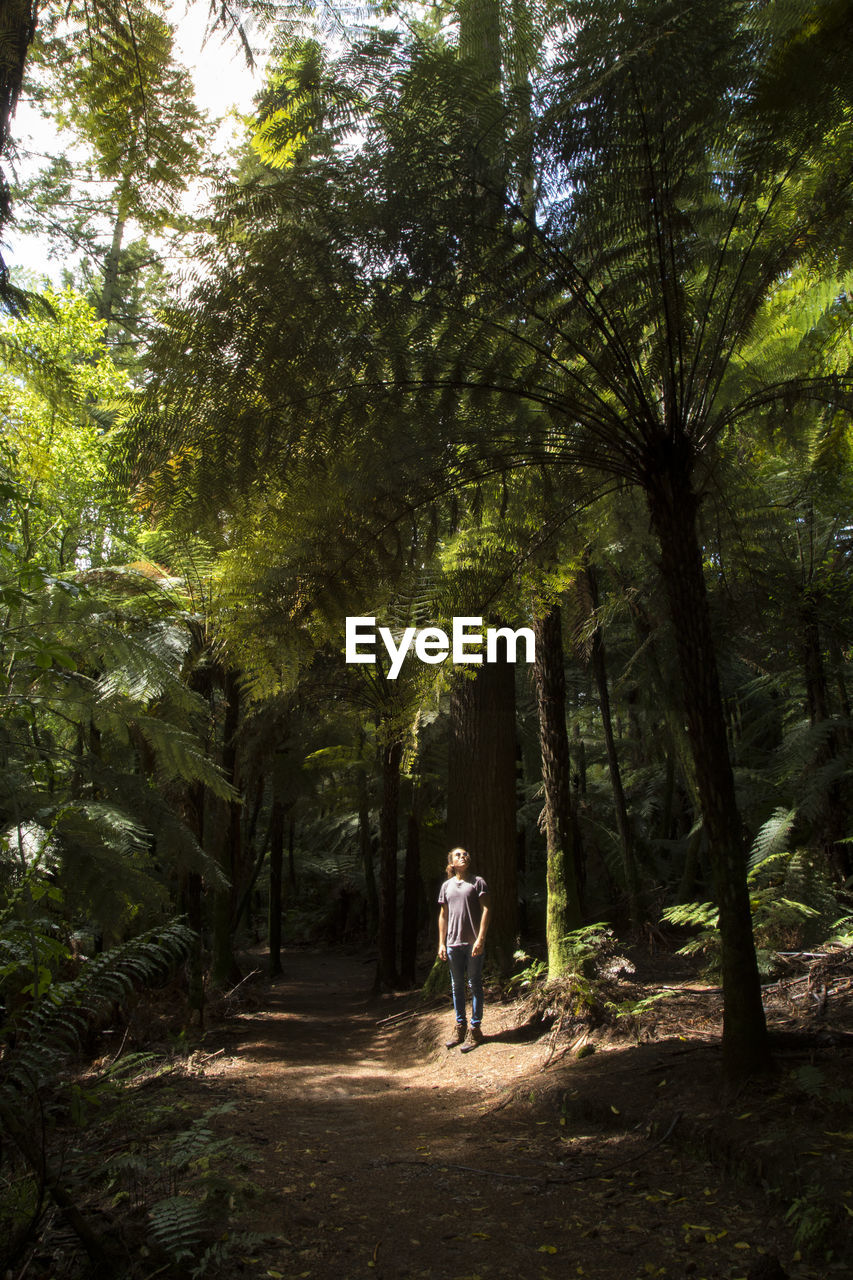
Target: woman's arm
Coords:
[(477, 948), (442, 932)]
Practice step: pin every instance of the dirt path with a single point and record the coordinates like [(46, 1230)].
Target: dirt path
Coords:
[(382, 1154)]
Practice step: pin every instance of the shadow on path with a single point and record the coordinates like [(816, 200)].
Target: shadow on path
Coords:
[(382, 1154)]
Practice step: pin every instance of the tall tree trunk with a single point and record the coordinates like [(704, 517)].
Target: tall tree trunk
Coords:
[(392, 754), (275, 895), (598, 662), (564, 854), (18, 21), (191, 902), (481, 803), (291, 852), (673, 509), (480, 36), (833, 820), (192, 806), (669, 702), (251, 860), (365, 843), (411, 899), (580, 761), (679, 752), (224, 968), (106, 301), (481, 799)]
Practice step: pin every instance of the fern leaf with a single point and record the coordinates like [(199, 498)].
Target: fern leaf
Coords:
[(773, 836)]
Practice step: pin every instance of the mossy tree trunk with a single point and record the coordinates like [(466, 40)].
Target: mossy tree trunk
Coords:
[(564, 851)]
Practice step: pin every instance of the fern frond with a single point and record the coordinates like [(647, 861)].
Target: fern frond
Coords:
[(178, 1225), (54, 1027), (772, 839)]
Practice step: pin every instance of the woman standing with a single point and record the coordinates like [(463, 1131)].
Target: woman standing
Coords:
[(463, 920)]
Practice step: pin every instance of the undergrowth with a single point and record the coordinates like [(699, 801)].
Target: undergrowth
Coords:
[(582, 993)]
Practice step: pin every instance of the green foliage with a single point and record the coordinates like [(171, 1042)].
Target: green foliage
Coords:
[(47, 1015), (780, 922), (636, 1009), (58, 390), (33, 948), (810, 1217), (588, 948), (842, 932), (98, 728), (591, 961), (118, 87), (811, 1081), (184, 1181), (52, 1027), (177, 1227), (534, 971)]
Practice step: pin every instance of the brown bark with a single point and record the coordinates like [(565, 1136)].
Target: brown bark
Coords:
[(276, 841), (564, 852), (106, 301), (392, 754), (481, 799), (673, 510), (224, 968), (291, 852), (411, 902), (365, 842), (833, 820), (192, 806)]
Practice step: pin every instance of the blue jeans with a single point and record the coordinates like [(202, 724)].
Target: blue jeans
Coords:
[(462, 963)]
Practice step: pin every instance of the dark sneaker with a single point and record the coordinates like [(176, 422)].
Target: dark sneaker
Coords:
[(473, 1038), (458, 1036)]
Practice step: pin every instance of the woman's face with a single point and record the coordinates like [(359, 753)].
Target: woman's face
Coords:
[(460, 861)]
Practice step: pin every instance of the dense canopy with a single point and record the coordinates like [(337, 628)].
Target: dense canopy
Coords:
[(533, 316)]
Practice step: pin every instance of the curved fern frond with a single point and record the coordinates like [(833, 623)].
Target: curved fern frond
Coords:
[(773, 837), (54, 1027)]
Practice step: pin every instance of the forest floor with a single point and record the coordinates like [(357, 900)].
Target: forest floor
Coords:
[(379, 1152)]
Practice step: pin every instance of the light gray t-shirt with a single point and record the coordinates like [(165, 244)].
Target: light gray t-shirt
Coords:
[(464, 902)]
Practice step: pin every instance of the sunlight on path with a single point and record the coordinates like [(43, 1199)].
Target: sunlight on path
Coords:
[(381, 1154)]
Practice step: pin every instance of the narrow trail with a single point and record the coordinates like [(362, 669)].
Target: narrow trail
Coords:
[(380, 1153)]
